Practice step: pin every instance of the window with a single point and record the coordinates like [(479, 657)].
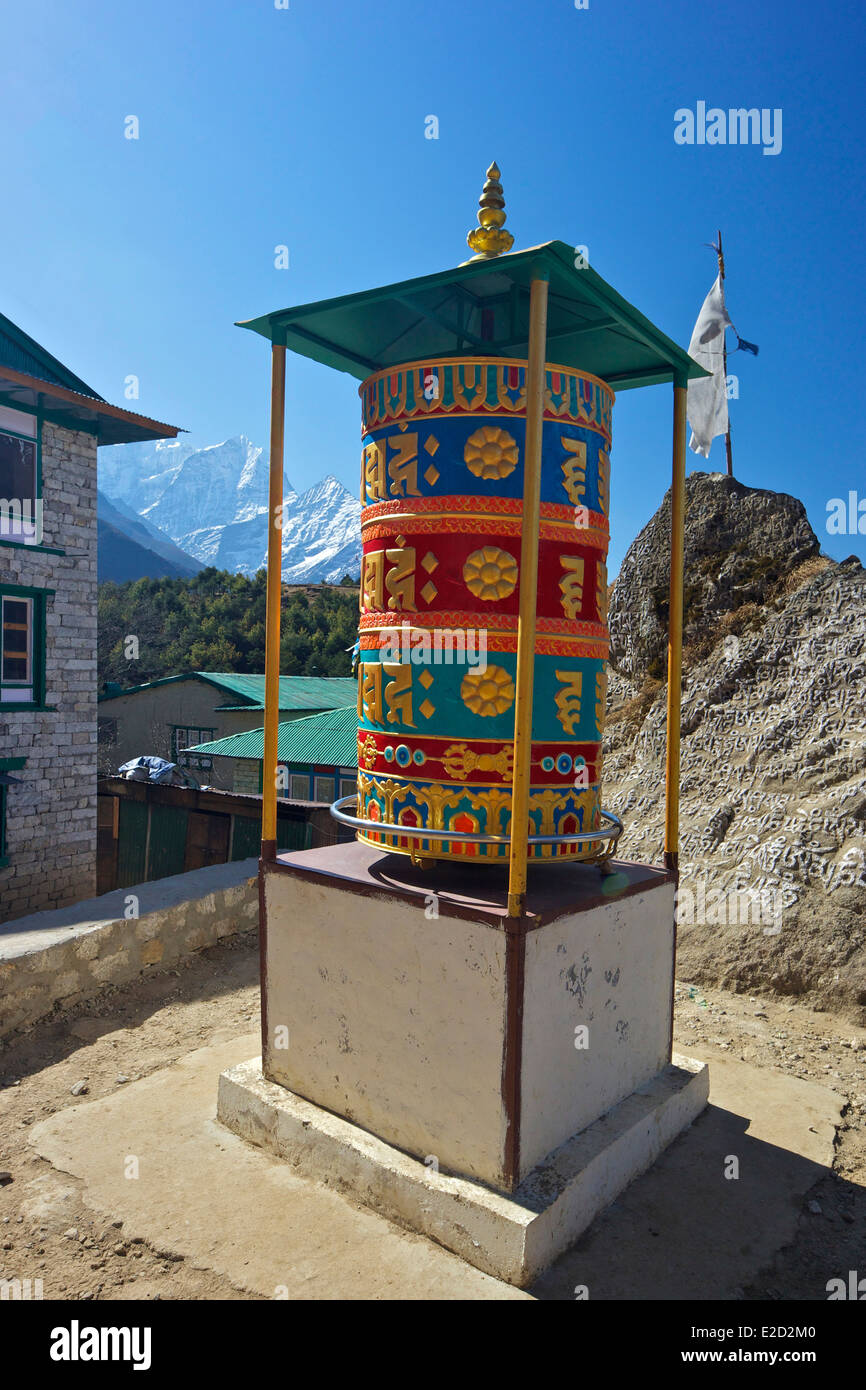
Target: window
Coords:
[(348, 786), (325, 789), (299, 787), (18, 646), (22, 645), (20, 503), (182, 738)]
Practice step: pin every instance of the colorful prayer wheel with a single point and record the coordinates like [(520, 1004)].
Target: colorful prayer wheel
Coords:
[(442, 482)]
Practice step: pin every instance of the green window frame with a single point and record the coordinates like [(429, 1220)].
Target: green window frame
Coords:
[(6, 765), (19, 531), (324, 788), (22, 647), (183, 736), (298, 784)]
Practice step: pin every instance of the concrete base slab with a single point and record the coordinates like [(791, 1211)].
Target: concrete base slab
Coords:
[(513, 1237), (682, 1231), (200, 1193)]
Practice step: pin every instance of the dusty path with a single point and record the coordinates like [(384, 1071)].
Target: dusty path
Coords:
[(45, 1228), (815, 1047), (47, 1231)]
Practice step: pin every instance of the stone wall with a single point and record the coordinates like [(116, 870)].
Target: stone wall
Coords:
[(247, 773), (67, 956), (51, 815)]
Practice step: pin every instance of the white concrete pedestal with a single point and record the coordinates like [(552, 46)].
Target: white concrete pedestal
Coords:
[(511, 1236), (492, 1083)]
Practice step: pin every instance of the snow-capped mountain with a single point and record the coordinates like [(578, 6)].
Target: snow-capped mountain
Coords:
[(213, 503), (322, 534), (138, 474)]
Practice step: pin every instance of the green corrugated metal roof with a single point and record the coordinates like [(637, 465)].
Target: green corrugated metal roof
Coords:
[(31, 378), (24, 354), (483, 307), (330, 739), (296, 692)]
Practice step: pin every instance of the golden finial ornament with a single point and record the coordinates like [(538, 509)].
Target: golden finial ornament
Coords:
[(490, 238)]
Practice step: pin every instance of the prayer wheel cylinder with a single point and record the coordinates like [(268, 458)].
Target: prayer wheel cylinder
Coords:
[(442, 476)]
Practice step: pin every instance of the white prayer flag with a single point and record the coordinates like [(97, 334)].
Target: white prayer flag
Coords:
[(707, 406)]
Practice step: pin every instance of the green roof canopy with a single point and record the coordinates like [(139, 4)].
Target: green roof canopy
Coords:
[(248, 692), (482, 308), (19, 350), (33, 379), (329, 739)]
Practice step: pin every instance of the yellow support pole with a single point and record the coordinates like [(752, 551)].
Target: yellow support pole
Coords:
[(675, 630), (274, 594), (528, 597)]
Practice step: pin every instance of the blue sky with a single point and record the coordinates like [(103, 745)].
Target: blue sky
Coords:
[(305, 127)]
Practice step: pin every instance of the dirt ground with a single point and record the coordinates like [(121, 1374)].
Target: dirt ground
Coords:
[(47, 1232)]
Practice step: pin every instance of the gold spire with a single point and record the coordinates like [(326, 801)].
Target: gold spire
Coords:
[(489, 238)]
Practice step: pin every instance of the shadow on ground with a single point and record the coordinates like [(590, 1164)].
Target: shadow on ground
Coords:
[(685, 1231)]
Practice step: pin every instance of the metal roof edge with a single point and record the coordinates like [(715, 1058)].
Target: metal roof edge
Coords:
[(145, 685), (612, 299), (30, 345), (471, 268), (220, 747), (158, 428), (223, 680), (166, 680), (280, 326)]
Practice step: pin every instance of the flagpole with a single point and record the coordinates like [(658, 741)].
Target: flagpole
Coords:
[(721, 258)]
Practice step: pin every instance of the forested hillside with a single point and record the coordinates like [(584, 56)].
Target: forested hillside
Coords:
[(215, 621)]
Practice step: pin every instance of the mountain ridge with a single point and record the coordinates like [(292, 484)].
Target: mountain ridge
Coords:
[(129, 547), (212, 502)]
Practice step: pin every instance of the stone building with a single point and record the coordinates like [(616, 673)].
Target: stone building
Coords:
[(51, 424), (167, 716)]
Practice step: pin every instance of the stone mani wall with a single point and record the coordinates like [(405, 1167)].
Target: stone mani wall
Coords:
[(51, 815), (68, 956)]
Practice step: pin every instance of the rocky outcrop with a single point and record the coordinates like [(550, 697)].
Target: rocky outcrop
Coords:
[(739, 543), (773, 790)]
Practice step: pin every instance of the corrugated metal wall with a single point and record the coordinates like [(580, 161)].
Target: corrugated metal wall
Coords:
[(149, 832)]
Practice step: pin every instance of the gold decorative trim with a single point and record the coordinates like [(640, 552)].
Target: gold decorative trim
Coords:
[(483, 362)]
